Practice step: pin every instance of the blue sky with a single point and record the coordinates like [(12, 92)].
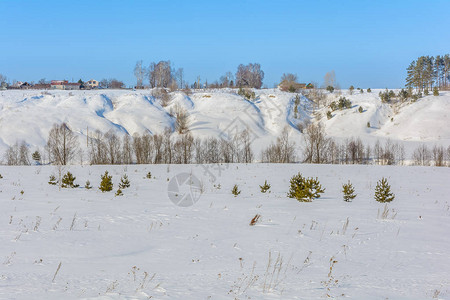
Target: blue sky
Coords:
[(366, 43)]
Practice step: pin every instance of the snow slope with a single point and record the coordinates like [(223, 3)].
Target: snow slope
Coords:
[(29, 115), (141, 245)]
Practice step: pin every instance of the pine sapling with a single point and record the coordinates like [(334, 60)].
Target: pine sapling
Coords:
[(304, 189), (315, 187), (435, 91), (88, 185), (68, 181), (119, 192), (349, 191), (265, 187), (52, 180), (124, 182), (149, 175), (1, 176), (383, 191), (235, 191), (106, 184)]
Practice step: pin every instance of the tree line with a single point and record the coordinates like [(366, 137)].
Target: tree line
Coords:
[(164, 75), (427, 72), (167, 148)]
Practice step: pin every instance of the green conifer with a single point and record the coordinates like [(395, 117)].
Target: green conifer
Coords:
[(235, 191), (435, 91), (349, 192), (304, 189), (124, 182), (383, 191), (265, 187), (106, 184), (36, 156), (52, 180), (68, 181)]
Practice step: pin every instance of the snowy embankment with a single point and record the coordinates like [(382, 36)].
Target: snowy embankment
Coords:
[(78, 243), (29, 116)]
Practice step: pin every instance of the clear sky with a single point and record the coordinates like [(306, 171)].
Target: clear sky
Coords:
[(366, 43)]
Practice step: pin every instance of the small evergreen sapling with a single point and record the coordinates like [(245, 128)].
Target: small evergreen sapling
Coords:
[(36, 156), (235, 191), (88, 185), (265, 187), (1, 176), (119, 192), (383, 191), (329, 115), (360, 109), (124, 182), (68, 181), (349, 192), (369, 90), (435, 91), (106, 184), (149, 175), (304, 189), (52, 180)]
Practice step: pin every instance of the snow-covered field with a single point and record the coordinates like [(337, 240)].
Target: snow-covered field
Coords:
[(29, 116), (78, 243)]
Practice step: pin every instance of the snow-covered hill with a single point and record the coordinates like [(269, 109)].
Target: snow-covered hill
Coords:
[(29, 116)]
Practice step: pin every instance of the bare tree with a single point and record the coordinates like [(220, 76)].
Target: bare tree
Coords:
[(329, 79), (168, 145), (127, 150), (116, 84), (438, 155), (179, 75), (181, 119), (137, 147), (250, 75), (62, 144), (289, 77), (113, 148), (421, 156), (12, 155), (158, 144), (24, 154), (160, 74), (316, 144), (283, 151), (226, 80), (139, 73)]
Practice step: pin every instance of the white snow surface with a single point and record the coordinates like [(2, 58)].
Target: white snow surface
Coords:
[(29, 115), (142, 246)]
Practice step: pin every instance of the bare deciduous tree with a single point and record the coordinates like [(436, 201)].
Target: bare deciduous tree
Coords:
[(250, 75), (329, 79), (289, 77), (127, 150), (62, 144), (316, 144), (421, 156), (139, 73), (438, 155), (181, 119), (113, 148)]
